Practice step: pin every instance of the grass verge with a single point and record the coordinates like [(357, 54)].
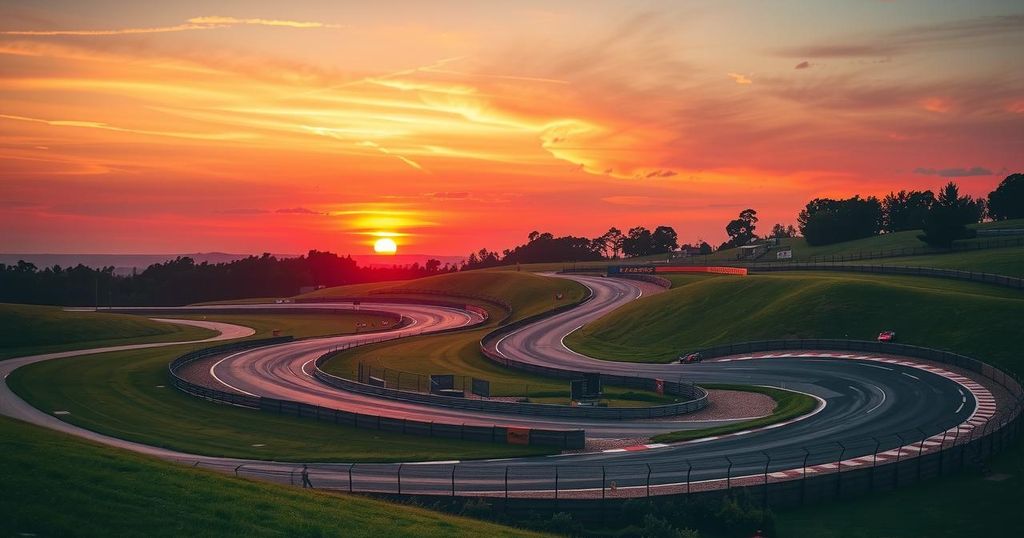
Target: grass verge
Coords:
[(974, 319), (32, 330), (65, 486), (788, 405), (125, 395)]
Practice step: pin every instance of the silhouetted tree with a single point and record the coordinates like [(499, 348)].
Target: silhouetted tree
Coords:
[(638, 242), (780, 231), (664, 239), (611, 242), (1007, 201), (949, 216), (906, 210), (741, 230), (824, 221)]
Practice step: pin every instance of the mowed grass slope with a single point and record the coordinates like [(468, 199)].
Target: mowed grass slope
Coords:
[(126, 395), (57, 485), (979, 320), (32, 329), (1001, 261)]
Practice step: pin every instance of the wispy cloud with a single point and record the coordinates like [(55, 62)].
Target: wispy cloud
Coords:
[(894, 42), (740, 79), (195, 23), (954, 172), (386, 151), (299, 211), (107, 127)]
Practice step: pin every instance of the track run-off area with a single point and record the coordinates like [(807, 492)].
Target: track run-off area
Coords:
[(875, 408)]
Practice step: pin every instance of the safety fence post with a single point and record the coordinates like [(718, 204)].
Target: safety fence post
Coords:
[(453, 480), (942, 450), (556, 482), (689, 468), (920, 452), (506, 487), (839, 471), (400, 478), (648, 479), (803, 480), (767, 462), (728, 474), (603, 475), (350, 467), (874, 465), (899, 453)]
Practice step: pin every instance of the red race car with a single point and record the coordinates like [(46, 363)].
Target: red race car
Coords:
[(887, 336), (690, 358)]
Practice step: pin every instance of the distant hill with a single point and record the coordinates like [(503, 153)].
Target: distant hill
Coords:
[(124, 263)]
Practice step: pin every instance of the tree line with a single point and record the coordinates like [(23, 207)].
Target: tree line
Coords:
[(182, 281), (544, 247)]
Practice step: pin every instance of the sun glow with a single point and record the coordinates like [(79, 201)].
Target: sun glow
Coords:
[(385, 245)]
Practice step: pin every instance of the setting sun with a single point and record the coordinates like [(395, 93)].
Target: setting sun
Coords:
[(385, 245)]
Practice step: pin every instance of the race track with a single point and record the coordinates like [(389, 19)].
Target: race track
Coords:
[(873, 409)]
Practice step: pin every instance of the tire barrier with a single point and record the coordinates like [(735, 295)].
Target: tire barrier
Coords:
[(656, 280)]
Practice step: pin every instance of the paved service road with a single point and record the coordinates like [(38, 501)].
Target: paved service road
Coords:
[(870, 404)]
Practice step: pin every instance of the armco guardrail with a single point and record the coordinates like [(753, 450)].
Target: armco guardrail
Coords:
[(500, 406), (563, 439), (988, 278), (697, 398)]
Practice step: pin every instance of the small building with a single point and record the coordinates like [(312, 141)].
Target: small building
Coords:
[(751, 252)]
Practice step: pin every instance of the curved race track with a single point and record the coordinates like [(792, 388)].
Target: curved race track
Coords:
[(871, 404)]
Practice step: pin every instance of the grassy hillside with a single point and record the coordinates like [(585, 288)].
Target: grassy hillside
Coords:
[(528, 293), (975, 319), (1001, 261), (125, 394), (65, 486), (31, 329)]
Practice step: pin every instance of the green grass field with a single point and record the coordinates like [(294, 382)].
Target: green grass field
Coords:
[(788, 404), (31, 330), (56, 485), (125, 394), (1001, 261), (975, 319)]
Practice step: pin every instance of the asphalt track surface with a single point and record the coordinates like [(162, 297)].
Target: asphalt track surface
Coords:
[(869, 406)]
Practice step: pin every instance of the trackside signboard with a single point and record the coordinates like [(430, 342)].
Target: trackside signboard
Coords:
[(653, 269), (517, 436)]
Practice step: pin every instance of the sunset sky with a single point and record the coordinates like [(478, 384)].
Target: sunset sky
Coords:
[(257, 126)]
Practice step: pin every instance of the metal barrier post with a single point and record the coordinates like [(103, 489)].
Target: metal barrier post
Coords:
[(400, 478), (556, 482), (689, 468), (648, 479), (350, 467), (728, 474), (453, 480), (506, 483)]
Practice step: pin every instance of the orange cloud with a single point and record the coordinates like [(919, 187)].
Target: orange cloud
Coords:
[(195, 23)]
